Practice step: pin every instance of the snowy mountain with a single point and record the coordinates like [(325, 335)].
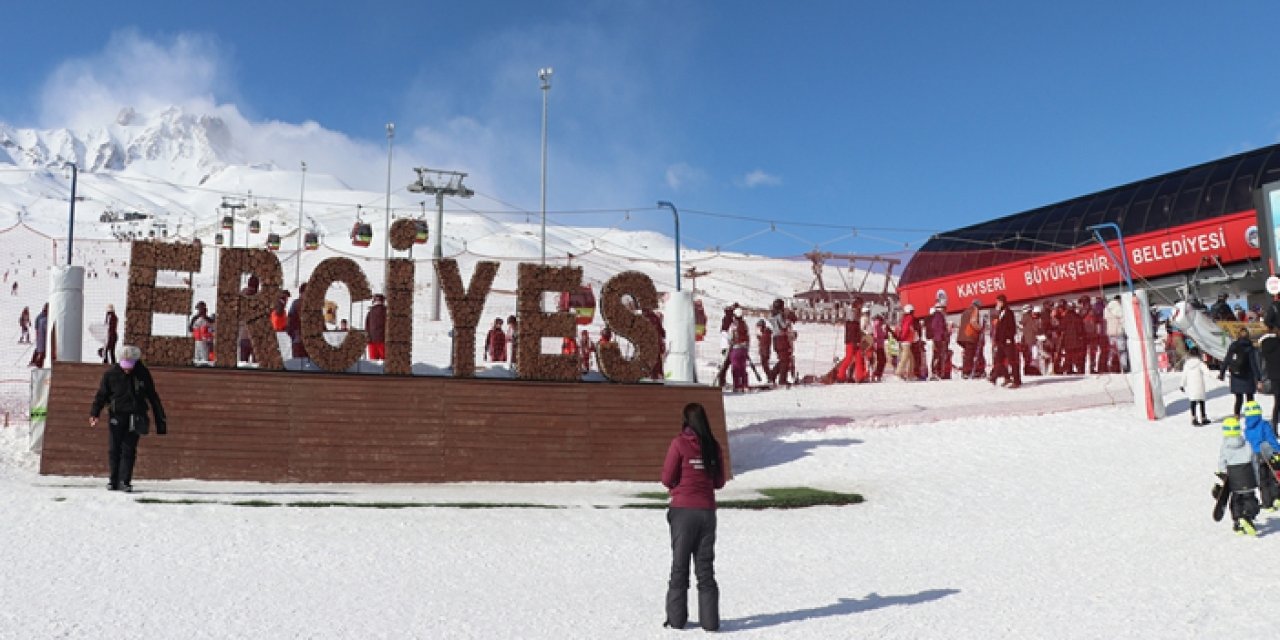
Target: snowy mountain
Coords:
[(170, 143)]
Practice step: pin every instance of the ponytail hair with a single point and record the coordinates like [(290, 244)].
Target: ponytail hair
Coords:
[(695, 417)]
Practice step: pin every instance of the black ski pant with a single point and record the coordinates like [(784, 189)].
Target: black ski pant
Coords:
[(1200, 404), (1244, 504), (1267, 485), (1275, 405), (122, 450), (1240, 400), (693, 535)]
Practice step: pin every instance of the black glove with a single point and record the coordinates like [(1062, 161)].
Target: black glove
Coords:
[(162, 427), (1182, 389)]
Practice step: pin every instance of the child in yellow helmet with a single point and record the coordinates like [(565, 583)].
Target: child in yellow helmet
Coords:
[(1236, 468)]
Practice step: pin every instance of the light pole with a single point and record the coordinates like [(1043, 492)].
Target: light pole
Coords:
[(71, 220), (386, 235), (435, 182), (544, 74), (672, 207), (297, 268)]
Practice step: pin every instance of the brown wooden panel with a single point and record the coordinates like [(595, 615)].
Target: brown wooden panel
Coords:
[(277, 426)]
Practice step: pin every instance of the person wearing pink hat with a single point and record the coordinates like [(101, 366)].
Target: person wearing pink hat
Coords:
[(126, 390)]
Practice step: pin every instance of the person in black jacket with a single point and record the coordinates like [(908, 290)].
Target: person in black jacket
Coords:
[(1269, 349), (1242, 362), (1004, 352), (126, 390)]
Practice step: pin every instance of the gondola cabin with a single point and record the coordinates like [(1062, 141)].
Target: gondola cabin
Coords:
[(227, 222), (361, 234), (424, 233), (255, 226), (217, 239), (582, 302), (273, 241), (311, 241), (699, 321)]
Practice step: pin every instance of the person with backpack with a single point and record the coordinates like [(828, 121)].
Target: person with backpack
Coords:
[(1242, 363), (692, 471), (967, 335)]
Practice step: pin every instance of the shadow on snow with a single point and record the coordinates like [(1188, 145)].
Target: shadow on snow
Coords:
[(842, 607), (762, 445)]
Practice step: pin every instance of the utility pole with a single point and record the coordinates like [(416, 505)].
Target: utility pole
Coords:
[(693, 274), (231, 205), (297, 268), (438, 183), (71, 221), (544, 75), (386, 235)]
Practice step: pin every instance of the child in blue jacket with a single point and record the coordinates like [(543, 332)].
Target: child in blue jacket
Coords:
[(1266, 452)]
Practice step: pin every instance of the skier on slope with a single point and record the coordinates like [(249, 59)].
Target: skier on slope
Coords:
[(1266, 453), (1236, 469)]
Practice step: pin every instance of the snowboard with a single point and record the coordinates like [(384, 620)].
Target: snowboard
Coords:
[(1220, 495)]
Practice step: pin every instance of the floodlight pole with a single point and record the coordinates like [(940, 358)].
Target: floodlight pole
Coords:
[(672, 207), (386, 236), (297, 268), (544, 75), (71, 220)]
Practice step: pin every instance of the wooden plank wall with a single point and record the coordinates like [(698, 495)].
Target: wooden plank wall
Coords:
[(276, 426)]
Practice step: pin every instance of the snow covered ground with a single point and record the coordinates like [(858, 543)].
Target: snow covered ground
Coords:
[(989, 513)]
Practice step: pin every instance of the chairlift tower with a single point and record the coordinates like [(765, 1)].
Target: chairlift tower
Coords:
[(439, 183), (232, 204)]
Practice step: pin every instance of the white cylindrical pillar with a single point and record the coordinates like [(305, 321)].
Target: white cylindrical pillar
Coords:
[(681, 345), (66, 313)]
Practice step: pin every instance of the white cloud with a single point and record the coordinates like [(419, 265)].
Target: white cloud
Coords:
[(759, 178), (681, 175), (134, 71)]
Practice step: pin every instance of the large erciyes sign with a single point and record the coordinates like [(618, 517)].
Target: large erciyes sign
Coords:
[(465, 306)]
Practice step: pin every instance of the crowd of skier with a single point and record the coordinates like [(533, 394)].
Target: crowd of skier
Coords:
[(998, 343)]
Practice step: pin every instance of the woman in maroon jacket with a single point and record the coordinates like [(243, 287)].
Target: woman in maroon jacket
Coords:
[(694, 469)]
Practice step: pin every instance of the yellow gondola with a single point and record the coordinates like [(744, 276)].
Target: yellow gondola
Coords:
[(582, 302)]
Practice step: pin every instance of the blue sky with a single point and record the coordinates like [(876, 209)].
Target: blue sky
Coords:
[(893, 119)]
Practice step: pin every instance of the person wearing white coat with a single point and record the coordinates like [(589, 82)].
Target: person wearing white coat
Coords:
[(1193, 373), (1118, 351)]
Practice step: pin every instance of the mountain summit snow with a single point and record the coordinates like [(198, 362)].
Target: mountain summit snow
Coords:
[(170, 143)]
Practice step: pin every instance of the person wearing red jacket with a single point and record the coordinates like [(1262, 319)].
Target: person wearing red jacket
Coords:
[(585, 349), (495, 343), (693, 470), (375, 323)]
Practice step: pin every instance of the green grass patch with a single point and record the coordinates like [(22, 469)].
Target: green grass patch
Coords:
[(774, 498), (355, 505)]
